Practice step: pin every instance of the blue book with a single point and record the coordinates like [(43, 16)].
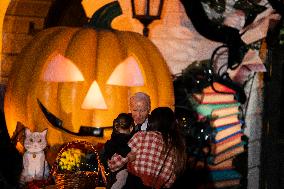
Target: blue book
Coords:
[(218, 148), (228, 126), (227, 137), (222, 133), (227, 174)]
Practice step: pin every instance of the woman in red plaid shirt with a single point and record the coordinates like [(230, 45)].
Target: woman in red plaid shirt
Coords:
[(158, 155)]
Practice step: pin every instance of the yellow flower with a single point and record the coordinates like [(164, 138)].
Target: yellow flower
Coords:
[(71, 159)]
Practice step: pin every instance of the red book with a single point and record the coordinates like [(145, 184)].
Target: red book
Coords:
[(219, 87)]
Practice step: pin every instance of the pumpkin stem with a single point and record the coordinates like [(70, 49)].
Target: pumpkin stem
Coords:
[(103, 17)]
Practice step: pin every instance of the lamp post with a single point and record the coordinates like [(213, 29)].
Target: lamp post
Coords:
[(146, 18)]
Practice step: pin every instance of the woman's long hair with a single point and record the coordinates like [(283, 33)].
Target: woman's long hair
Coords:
[(162, 119)]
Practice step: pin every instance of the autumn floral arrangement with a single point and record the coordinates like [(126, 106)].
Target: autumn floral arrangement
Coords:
[(71, 159), (78, 166)]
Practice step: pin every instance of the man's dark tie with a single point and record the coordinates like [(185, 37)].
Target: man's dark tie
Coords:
[(138, 127)]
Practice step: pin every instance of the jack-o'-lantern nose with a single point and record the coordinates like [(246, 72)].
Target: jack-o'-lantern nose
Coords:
[(94, 98)]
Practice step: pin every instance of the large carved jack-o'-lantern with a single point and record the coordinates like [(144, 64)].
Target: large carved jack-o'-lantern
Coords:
[(75, 81)]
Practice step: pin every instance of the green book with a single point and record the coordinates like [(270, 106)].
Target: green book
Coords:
[(215, 110)]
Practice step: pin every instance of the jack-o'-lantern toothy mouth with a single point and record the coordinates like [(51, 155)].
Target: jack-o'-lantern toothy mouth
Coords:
[(83, 131)]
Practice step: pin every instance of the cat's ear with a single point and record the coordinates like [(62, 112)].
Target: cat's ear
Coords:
[(44, 133), (27, 132)]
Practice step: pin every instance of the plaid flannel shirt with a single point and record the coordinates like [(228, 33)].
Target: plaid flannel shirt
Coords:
[(149, 160)]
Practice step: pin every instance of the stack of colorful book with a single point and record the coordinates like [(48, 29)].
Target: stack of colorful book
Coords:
[(223, 111)]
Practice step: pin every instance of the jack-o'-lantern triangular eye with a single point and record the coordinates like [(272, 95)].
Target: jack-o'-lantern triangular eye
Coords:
[(61, 69), (127, 73)]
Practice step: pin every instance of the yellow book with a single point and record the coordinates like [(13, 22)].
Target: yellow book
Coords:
[(220, 134), (214, 98), (229, 153), (222, 121)]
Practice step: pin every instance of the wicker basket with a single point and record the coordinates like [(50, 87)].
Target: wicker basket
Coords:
[(78, 179)]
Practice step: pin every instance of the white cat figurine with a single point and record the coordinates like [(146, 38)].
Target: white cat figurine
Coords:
[(35, 167)]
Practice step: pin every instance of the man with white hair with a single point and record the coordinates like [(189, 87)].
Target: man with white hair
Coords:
[(140, 107)]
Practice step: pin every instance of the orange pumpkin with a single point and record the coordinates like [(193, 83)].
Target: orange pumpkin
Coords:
[(43, 92)]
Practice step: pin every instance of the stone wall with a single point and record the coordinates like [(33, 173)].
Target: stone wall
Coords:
[(23, 18), (254, 126)]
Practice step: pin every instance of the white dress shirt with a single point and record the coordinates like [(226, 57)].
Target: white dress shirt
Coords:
[(144, 125)]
